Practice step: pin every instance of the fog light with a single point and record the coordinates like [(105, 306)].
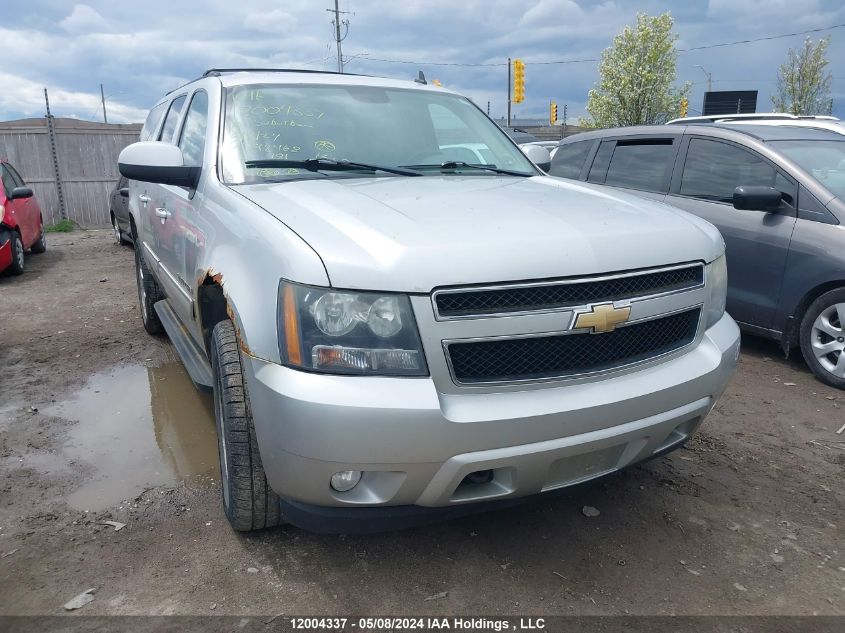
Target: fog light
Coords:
[(345, 480)]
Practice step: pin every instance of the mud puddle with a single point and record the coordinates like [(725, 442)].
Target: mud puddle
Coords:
[(137, 427)]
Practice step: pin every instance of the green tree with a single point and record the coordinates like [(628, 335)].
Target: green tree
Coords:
[(804, 81), (636, 77)]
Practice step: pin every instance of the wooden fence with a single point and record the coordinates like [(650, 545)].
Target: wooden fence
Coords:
[(83, 153)]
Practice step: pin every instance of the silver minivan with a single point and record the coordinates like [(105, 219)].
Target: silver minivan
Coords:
[(395, 329)]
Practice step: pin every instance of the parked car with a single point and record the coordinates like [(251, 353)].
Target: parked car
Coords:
[(820, 122), (21, 224), (391, 336), (119, 212), (776, 193)]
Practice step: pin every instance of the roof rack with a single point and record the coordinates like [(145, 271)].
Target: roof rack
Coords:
[(216, 72)]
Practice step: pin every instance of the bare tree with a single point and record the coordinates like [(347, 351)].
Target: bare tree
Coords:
[(804, 81)]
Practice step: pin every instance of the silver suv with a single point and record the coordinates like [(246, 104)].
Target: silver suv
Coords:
[(395, 329)]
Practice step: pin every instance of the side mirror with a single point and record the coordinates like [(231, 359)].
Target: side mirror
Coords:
[(124, 191), (20, 192), (755, 198), (154, 161), (538, 155)]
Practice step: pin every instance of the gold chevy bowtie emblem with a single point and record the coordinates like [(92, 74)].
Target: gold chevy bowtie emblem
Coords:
[(602, 318)]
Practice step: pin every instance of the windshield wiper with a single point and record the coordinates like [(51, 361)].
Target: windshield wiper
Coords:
[(328, 164), (459, 164)]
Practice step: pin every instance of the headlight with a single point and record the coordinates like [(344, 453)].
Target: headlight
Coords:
[(717, 282), (363, 333), (2, 212)]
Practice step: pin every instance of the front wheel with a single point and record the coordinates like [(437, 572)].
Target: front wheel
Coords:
[(248, 500), (823, 337), (16, 267)]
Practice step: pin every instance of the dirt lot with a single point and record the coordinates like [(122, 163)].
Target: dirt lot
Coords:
[(99, 423)]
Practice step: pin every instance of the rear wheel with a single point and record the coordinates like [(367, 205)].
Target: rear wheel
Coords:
[(16, 267), (40, 245), (248, 500), (149, 294), (823, 337), (118, 235)]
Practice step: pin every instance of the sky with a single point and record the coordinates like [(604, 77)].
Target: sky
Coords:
[(139, 50)]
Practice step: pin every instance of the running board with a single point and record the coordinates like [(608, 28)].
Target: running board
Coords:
[(192, 356)]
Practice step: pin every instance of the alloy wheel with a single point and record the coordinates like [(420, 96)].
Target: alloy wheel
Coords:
[(828, 339)]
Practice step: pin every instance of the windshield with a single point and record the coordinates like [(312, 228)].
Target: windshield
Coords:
[(825, 160), (370, 126)]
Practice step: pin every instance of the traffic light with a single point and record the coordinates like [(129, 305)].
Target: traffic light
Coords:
[(518, 81), (552, 113), (684, 106)]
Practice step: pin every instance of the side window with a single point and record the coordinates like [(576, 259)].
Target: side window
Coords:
[(16, 177), (192, 142), (640, 164), (8, 181), (151, 124), (598, 171), (713, 170), (569, 159), (172, 119)]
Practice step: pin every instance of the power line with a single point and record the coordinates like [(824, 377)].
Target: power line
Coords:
[(593, 59)]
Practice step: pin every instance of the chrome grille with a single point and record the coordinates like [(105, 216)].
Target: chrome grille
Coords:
[(553, 295), (562, 355)]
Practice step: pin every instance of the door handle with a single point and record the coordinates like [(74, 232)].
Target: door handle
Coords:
[(162, 212), (144, 198)]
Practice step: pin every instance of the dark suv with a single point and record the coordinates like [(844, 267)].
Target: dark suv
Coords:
[(776, 193)]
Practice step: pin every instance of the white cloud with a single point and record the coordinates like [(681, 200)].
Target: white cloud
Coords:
[(27, 100), (276, 21), (83, 19)]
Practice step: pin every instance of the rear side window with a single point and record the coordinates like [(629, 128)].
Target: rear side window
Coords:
[(569, 159), (172, 119), (713, 170), (640, 165), (192, 142), (151, 124)]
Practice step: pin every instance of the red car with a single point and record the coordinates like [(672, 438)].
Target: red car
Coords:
[(21, 225)]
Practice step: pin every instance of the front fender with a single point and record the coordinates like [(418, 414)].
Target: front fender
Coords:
[(246, 251)]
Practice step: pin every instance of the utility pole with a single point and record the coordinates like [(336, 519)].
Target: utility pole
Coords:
[(337, 38), (709, 77), (565, 108), (509, 91), (103, 98), (488, 106)]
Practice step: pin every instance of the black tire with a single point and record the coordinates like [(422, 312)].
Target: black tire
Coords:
[(823, 324), (248, 500), (118, 234), (40, 245), (149, 294), (17, 265)]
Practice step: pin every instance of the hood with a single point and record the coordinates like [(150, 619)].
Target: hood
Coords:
[(415, 234)]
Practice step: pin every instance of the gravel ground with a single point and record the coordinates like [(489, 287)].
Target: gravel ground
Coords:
[(99, 423)]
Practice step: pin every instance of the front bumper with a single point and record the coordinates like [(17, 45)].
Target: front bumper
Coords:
[(417, 445)]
